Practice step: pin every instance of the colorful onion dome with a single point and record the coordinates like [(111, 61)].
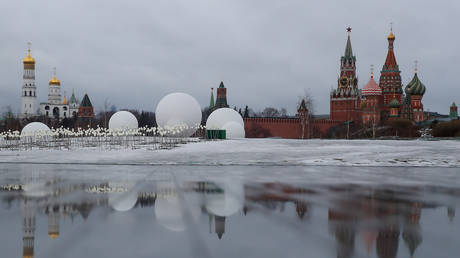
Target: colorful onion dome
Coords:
[(415, 87), (29, 59), (394, 103), (372, 88)]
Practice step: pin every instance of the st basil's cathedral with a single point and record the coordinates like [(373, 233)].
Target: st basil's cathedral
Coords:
[(375, 102)]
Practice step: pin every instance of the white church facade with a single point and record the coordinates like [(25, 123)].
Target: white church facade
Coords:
[(55, 107)]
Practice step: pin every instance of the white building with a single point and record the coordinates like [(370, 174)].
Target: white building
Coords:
[(56, 107), (29, 91)]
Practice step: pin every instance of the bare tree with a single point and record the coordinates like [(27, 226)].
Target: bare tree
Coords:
[(309, 101)]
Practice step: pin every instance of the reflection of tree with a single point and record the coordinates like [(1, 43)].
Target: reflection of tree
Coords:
[(345, 237)]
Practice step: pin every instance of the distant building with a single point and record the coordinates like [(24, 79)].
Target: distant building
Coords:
[(453, 114), (56, 107)]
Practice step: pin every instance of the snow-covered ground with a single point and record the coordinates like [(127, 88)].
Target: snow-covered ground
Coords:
[(262, 152)]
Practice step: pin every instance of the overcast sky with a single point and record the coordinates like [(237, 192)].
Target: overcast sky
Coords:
[(266, 52)]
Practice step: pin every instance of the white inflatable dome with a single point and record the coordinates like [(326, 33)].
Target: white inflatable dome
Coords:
[(179, 113), (234, 130), (123, 120), (222, 116), (35, 128)]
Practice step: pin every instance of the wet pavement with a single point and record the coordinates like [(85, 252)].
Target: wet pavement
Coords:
[(228, 211)]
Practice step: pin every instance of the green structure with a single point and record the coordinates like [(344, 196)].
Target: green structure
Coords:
[(216, 134), (453, 114)]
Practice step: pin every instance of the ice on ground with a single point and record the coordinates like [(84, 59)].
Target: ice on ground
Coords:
[(262, 152)]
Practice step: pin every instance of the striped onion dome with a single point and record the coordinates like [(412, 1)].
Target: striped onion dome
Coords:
[(415, 87), (371, 88)]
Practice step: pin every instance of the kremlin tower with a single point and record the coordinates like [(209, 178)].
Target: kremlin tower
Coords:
[(28, 96), (346, 100), (221, 98), (390, 76)]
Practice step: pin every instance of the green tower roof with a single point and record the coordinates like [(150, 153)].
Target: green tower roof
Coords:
[(394, 103)]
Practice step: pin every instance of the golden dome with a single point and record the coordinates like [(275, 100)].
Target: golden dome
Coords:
[(55, 81), (391, 36), (29, 59), (53, 235), (28, 256)]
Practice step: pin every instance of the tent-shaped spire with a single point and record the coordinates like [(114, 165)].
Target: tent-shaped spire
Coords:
[(348, 50), (211, 101), (86, 102)]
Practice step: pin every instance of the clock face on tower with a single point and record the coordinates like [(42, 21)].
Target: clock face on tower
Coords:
[(343, 81)]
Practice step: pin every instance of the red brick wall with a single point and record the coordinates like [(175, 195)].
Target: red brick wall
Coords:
[(289, 128)]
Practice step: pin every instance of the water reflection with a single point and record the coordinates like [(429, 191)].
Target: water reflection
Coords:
[(362, 220)]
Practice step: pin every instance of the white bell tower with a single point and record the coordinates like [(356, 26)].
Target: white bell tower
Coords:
[(28, 94)]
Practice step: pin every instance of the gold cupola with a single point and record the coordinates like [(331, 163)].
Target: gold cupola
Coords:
[(53, 235), (391, 36), (54, 80), (29, 59)]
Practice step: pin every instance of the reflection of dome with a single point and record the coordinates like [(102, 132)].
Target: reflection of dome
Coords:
[(179, 110), (229, 201), (123, 120), (35, 128), (221, 116), (35, 189), (53, 235), (122, 200), (169, 211)]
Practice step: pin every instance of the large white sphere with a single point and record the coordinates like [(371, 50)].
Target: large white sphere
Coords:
[(234, 130), (222, 116), (35, 128), (178, 111), (123, 120)]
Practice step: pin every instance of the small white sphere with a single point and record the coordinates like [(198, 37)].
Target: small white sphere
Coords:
[(179, 113), (234, 130), (35, 128), (123, 120), (221, 116)]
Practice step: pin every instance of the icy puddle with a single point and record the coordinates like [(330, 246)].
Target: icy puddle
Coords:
[(228, 211)]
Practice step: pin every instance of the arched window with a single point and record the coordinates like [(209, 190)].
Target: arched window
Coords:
[(30, 93)]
